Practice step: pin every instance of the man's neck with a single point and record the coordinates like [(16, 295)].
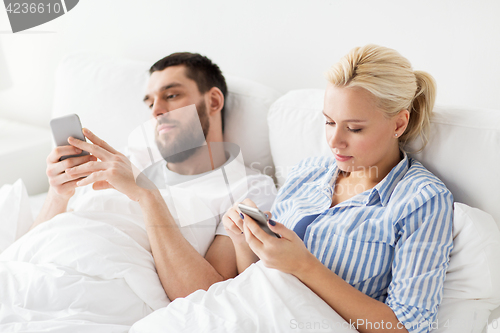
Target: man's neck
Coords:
[(206, 158)]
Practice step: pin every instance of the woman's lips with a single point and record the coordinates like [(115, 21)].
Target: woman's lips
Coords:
[(342, 158)]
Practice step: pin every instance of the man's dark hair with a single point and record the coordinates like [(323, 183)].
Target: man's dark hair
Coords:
[(200, 69)]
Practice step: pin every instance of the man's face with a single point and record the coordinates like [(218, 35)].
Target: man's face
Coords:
[(168, 94)]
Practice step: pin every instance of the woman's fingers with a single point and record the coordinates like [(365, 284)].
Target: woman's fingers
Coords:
[(255, 243), (249, 202), (232, 221)]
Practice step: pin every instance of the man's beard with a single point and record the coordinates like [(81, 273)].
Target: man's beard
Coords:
[(189, 136)]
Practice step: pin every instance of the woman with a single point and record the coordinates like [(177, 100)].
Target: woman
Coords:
[(369, 229)]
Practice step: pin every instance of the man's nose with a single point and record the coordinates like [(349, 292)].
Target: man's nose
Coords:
[(158, 109)]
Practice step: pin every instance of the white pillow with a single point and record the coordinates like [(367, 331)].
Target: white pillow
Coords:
[(107, 94), (296, 129), (15, 213), (472, 285), (464, 152)]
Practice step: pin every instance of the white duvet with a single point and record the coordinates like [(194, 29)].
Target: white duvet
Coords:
[(92, 271), (79, 272), (258, 300)]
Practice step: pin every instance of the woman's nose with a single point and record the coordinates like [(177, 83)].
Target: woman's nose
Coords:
[(335, 138)]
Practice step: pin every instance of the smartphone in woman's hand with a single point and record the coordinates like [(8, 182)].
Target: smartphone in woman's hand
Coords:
[(258, 216)]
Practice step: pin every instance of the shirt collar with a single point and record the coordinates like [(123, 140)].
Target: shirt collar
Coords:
[(384, 188), (387, 185)]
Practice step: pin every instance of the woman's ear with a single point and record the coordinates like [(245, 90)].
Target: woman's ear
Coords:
[(215, 101), (403, 117)]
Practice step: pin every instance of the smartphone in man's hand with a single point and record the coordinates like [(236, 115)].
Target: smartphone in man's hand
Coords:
[(63, 128), (258, 216)]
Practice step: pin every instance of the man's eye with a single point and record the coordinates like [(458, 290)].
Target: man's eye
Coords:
[(329, 123), (172, 96)]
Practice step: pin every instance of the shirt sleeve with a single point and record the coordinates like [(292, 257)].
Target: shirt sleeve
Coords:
[(421, 259)]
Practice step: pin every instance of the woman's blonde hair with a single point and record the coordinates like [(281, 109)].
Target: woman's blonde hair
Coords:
[(390, 78)]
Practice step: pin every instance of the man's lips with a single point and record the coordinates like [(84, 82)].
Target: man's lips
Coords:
[(164, 128)]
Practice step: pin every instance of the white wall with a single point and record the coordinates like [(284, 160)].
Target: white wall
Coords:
[(284, 44)]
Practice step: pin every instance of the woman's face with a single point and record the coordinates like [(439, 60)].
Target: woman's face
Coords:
[(359, 134)]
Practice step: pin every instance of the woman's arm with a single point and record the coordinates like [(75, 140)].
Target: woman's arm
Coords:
[(289, 254), (424, 242), (363, 311)]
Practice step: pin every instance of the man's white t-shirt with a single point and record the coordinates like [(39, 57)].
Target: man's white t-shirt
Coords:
[(197, 202)]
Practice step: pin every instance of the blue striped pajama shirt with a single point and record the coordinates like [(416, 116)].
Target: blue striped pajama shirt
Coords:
[(391, 242)]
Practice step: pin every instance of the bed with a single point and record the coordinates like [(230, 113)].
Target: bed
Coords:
[(463, 151)]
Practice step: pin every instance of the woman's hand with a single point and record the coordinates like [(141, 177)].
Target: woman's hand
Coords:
[(287, 254), (233, 222), (114, 170)]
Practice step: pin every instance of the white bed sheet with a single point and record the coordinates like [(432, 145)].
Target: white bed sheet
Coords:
[(36, 203)]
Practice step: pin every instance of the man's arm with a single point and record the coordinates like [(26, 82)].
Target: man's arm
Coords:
[(180, 267), (182, 270)]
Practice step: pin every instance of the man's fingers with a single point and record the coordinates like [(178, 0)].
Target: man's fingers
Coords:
[(54, 169), (67, 186), (86, 168), (102, 185), (98, 141), (56, 153), (63, 179), (95, 150), (92, 178)]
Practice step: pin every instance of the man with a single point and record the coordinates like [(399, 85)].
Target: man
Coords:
[(177, 83)]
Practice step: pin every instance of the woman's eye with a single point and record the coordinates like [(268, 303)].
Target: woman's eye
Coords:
[(151, 106), (354, 130)]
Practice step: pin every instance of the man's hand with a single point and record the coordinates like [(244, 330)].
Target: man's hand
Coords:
[(62, 184), (114, 170)]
